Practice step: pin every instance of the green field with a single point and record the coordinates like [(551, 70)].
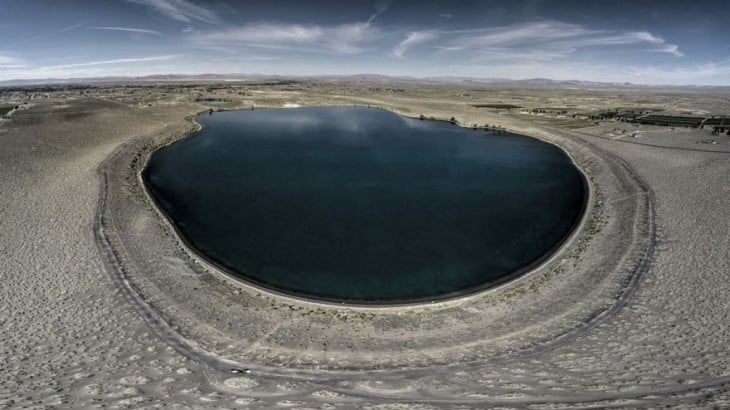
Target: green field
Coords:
[(6, 110)]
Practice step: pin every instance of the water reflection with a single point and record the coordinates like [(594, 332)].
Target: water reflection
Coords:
[(361, 204)]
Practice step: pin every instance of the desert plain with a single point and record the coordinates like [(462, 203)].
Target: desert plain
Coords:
[(103, 306)]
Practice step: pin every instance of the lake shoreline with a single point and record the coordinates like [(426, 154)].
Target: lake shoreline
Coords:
[(231, 273), (560, 278)]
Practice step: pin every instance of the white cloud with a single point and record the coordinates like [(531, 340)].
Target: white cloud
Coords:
[(10, 62), (338, 39), (413, 38), (262, 58), (713, 72), (75, 26), (543, 40), (519, 34), (48, 34), (549, 49), (346, 38), (524, 56), (117, 61), (671, 49), (128, 29), (381, 7), (121, 66), (6, 59), (181, 10)]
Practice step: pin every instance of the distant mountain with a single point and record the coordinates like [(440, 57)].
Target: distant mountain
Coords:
[(525, 83)]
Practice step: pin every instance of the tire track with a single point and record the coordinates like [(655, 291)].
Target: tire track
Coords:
[(330, 379)]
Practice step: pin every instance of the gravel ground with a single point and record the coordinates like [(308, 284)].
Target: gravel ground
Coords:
[(101, 306)]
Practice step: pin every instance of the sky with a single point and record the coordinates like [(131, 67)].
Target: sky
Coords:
[(640, 41)]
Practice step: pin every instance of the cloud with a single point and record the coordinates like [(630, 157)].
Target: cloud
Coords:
[(75, 26), (349, 38), (262, 58), (523, 56), (713, 72), (7, 59), (117, 61), (48, 34), (413, 38), (181, 10), (120, 66), (346, 38), (671, 49), (381, 6), (128, 29), (10, 62), (520, 34), (526, 43), (542, 40)]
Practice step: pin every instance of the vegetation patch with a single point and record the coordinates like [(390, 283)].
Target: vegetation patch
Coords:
[(670, 121), (212, 101), (498, 106), (5, 110)]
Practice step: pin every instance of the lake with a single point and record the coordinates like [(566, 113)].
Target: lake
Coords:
[(361, 205)]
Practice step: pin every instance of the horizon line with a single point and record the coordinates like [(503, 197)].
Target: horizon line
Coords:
[(444, 78)]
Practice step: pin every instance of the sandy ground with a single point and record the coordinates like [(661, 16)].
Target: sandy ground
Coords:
[(102, 308)]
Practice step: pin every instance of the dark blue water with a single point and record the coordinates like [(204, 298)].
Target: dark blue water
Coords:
[(358, 204)]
